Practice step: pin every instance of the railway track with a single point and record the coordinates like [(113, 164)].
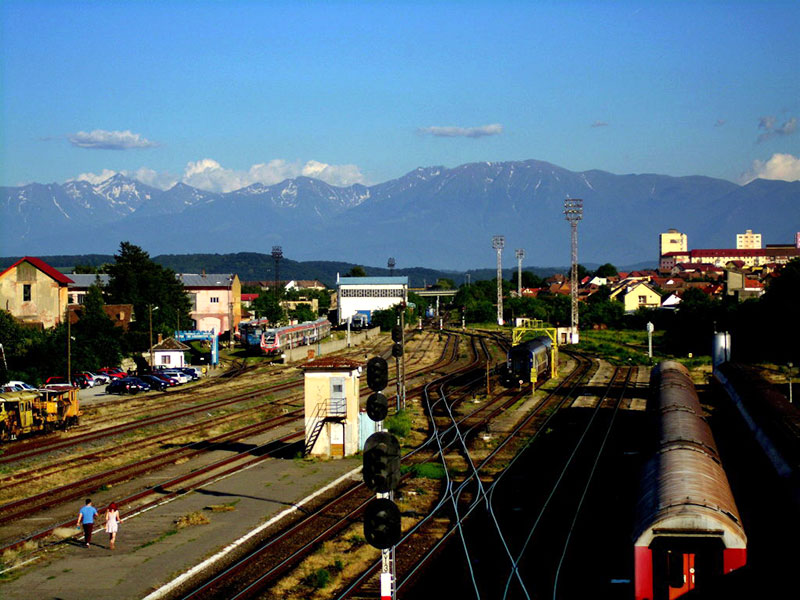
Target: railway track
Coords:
[(21, 508), (262, 566)]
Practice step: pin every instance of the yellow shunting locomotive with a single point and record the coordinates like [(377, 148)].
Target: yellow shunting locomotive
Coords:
[(38, 411)]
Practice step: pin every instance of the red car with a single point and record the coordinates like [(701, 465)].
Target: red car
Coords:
[(113, 372)]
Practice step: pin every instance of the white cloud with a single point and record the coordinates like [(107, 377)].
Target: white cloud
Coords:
[(784, 167), (100, 139), (95, 178), (470, 132), (208, 174)]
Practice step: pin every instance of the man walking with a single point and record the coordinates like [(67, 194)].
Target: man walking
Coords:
[(86, 516)]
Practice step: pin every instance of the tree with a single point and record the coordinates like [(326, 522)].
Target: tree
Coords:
[(606, 270), (302, 312), (98, 342), (135, 279), (266, 306), (357, 271)]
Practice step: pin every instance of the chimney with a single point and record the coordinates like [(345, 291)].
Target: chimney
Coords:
[(203, 271), (160, 336)]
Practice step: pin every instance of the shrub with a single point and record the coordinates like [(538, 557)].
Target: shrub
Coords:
[(399, 424)]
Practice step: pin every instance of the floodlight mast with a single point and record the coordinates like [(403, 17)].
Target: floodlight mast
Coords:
[(391, 263), (498, 243), (520, 253), (573, 211)]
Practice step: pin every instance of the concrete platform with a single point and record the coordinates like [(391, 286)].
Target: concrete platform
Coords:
[(150, 550)]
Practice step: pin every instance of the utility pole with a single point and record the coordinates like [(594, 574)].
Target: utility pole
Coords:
[(391, 263), (277, 255), (150, 306), (498, 243), (69, 349), (573, 210), (520, 253)]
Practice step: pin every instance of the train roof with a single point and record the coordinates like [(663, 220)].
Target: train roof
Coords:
[(686, 492), (684, 488)]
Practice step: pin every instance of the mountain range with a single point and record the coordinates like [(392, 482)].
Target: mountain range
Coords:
[(433, 216)]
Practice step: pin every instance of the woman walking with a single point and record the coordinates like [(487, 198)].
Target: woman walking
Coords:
[(112, 522)]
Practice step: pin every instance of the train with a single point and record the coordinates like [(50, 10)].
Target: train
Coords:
[(38, 411), (688, 530), (529, 362), (271, 341)]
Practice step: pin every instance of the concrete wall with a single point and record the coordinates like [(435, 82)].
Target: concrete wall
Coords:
[(301, 353)]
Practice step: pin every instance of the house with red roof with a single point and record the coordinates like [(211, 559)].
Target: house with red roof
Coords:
[(34, 292)]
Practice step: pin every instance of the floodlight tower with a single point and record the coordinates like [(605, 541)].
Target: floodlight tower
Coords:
[(520, 253), (277, 255), (573, 210), (391, 265), (498, 243)]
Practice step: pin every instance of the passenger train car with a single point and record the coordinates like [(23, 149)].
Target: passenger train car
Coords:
[(274, 341), (37, 411), (529, 362), (256, 335), (688, 529)]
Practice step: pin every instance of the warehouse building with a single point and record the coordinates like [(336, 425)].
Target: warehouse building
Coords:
[(359, 297)]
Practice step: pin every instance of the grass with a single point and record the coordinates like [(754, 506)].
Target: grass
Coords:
[(228, 506), (399, 424), (192, 519), (160, 538), (426, 470)]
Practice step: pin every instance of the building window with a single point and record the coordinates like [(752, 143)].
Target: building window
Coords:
[(165, 359), (26, 292), (214, 300), (642, 299)]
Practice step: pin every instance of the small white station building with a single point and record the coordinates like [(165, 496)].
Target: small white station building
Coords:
[(363, 295)]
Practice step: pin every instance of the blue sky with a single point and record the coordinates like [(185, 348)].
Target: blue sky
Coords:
[(224, 94)]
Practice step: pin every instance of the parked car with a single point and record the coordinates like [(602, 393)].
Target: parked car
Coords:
[(113, 372), (78, 381), (16, 386), (176, 374), (89, 378), (155, 383), (170, 381), (191, 372), (127, 385), (100, 378)]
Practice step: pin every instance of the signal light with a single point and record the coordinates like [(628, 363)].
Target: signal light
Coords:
[(377, 373), (381, 462), (397, 350), (382, 523), (397, 333), (377, 406)]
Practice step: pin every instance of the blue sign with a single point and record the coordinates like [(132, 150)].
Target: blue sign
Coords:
[(183, 336)]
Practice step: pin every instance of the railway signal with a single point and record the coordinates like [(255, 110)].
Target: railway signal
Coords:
[(397, 333), (381, 462), (397, 350), (377, 406), (382, 523), (377, 373)]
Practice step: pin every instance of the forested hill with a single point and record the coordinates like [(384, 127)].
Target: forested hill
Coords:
[(252, 266)]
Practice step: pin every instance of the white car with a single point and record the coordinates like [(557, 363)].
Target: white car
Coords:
[(17, 386), (175, 374), (99, 378)]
